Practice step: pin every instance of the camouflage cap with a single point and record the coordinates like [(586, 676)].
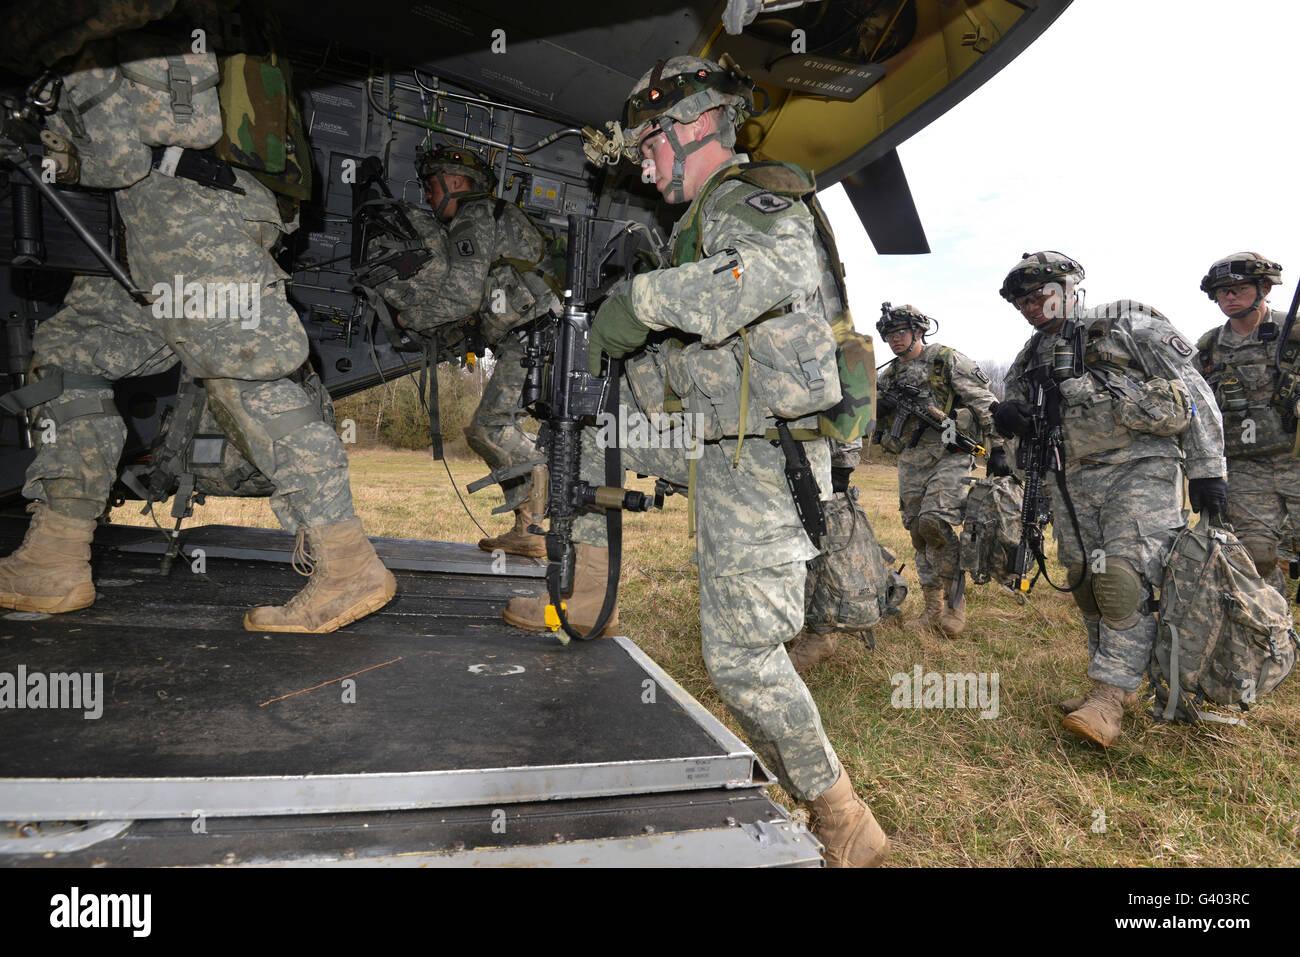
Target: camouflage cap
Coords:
[(683, 88), (457, 161), (1240, 267), (904, 316), (1036, 270)]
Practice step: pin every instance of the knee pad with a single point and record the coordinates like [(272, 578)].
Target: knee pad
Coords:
[(1118, 593), (1082, 594), (255, 415), (481, 443)]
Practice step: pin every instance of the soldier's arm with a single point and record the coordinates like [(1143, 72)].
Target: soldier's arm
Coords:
[(420, 290), (759, 258), (972, 388), (1166, 354)]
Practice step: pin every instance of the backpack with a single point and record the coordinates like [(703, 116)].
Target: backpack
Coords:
[(991, 530), (851, 584), (124, 96), (1224, 632)]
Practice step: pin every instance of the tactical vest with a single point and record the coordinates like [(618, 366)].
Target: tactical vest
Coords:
[(1244, 379), (850, 418), (520, 287), (942, 395)]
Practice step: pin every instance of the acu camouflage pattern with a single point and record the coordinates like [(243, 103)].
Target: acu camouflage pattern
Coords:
[(175, 226), (466, 277), (751, 549), (932, 481), (1225, 637), (991, 531), (1128, 499), (1263, 478), (851, 585)]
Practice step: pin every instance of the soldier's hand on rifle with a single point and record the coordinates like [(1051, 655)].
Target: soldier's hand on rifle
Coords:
[(997, 465), (885, 404), (1207, 493), (616, 330), (1012, 419)]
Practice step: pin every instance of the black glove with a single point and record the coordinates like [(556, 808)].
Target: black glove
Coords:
[(841, 475), (997, 465), (885, 403), (1012, 419), (1207, 493)]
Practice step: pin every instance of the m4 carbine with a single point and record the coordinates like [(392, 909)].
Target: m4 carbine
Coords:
[(1038, 453), (908, 404)]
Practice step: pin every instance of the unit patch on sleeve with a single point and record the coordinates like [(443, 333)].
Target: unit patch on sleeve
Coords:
[(1179, 346), (766, 202), (465, 247)]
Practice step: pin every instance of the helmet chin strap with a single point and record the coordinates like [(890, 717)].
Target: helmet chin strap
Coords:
[(1243, 313), (668, 126), (449, 197)]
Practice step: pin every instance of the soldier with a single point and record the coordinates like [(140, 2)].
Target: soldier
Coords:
[(1121, 383), (932, 474), (489, 267), (1258, 398), (745, 251), (189, 219)]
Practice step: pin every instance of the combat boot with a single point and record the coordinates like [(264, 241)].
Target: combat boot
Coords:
[(581, 607), (933, 604), (845, 825), (809, 649), (1099, 717), (348, 582), (1069, 705), (519, 540), (951, 621), (50, 571)]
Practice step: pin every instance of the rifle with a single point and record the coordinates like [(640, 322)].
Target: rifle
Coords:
[(565, 396), (907, 399), (1037, 454), (376, 213), (1286, 386)]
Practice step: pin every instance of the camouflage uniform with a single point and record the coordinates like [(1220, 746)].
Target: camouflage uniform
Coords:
[(932, 485), (468, 280), (1123, 478), (177, 227), (751, 548), (1263, 477)]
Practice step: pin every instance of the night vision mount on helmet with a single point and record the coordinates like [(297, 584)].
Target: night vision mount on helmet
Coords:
[(905, 316), (1036, 270), (1241, 267)]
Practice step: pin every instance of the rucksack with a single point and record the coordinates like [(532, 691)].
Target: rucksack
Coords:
[(1224, 632), (851, 585), (991, 530)]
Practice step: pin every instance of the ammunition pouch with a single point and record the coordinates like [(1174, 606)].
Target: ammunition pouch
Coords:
[(509, 303), (783, 367), (1088, 420), (1163, 409)]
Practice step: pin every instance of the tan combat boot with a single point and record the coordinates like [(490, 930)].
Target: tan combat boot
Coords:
[(809, 649), (348, 582), (519, 540), (582, 608), (951, 621), (1069, 705), (933, 605), (842, 821), (50, 570), (1099, 718)]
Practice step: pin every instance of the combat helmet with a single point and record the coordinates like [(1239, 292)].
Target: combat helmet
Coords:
[(905, 316), (680, 90), (1241, 267), (445, 160), (1036, 270)]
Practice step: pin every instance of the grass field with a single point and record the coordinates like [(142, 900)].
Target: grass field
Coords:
[(949, 787)]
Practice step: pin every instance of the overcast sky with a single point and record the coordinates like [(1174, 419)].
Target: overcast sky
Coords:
[(1145, 139)]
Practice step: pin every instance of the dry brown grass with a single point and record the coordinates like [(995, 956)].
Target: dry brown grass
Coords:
[(950, 788)]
